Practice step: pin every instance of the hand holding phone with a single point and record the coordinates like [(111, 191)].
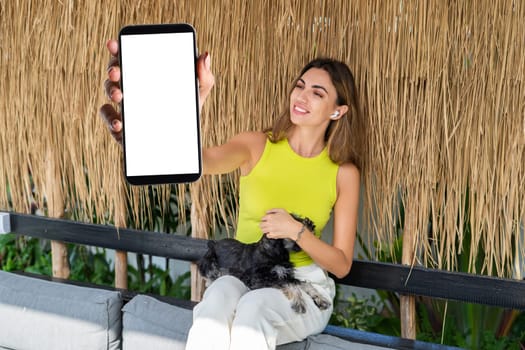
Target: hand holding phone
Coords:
[(160, 104)]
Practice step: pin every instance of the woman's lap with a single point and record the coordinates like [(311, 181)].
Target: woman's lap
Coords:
[(261, 318)]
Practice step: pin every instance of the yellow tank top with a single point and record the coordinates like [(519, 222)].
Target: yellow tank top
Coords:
[(283, 179)]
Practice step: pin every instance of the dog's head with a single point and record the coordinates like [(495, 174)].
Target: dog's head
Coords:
[(273, 247)]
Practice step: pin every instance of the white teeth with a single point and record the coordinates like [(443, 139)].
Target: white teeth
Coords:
[(299, 109)]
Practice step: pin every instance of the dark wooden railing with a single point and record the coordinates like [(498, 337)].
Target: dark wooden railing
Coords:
[(418, 281)]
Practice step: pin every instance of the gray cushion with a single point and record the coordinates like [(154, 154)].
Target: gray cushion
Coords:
[(330, 342), (294, 346), (151, 324), (40, 314), (327, 342)]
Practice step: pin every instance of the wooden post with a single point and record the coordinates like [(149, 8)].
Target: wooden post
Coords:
[(121, 269), (121, 257), (55, 206), (199, 227), (408, 303)]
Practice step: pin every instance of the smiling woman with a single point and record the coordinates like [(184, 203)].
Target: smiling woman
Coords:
[(311, 95), (308, 164), (291, 169), (446, 116)]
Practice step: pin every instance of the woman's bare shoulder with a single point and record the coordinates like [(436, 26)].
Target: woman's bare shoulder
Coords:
[(348, 174), (255, 142)]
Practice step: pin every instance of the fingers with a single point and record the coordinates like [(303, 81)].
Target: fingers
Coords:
[(113, 63), (113, 91), (269, 226), (112, 46), (206, 78), (108, 113), (113, 121), (112, 84), (278, 223), (276, 211)]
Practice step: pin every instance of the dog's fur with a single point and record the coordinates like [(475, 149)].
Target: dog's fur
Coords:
[(263, 264)]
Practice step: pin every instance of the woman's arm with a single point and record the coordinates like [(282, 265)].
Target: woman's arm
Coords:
[(336, 258), (241, 151), (238, 152), (346, 211)]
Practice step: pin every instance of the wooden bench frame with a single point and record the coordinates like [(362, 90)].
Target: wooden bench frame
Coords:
[(406, 280)]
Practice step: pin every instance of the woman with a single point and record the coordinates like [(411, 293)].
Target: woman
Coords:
[(307, 164)]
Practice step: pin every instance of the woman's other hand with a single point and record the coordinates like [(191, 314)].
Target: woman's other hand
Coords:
[(278, 223)]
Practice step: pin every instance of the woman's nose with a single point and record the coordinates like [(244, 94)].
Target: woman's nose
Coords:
[(302, 96)]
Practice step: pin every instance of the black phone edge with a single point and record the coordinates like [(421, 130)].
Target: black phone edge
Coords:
[(143, 180)]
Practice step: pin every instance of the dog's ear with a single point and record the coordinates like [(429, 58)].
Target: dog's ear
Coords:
[(296, 217), (305, 220), (309, 224)]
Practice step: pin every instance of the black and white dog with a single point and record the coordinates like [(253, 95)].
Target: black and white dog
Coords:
[(263, 264)]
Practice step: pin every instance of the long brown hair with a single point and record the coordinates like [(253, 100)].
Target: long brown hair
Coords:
[(345, 136)]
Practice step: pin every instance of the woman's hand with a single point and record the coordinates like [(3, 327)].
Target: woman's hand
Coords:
[(108, 112), (278, 223)]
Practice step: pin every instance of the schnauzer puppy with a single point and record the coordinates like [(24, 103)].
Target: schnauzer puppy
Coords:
[(263, 264)]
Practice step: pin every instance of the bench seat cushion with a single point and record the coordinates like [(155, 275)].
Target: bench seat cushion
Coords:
[(151, 324), (40, 314)]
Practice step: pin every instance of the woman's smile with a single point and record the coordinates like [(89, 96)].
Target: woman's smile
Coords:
[(300, 110)]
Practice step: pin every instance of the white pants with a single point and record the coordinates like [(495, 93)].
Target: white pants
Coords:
[(232, 317)]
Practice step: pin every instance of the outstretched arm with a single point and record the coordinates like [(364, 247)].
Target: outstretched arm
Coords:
[(238, 152), (241, 151)]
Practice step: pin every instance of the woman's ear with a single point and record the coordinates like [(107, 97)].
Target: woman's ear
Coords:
[(339, 112)]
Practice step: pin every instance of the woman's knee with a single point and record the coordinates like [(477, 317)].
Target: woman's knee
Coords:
[(225, 288), (221, 297), (266, 301)]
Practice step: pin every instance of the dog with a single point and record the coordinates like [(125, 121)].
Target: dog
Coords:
[(264, 264)]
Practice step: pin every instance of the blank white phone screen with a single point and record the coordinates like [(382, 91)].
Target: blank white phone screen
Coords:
[(160, 104)]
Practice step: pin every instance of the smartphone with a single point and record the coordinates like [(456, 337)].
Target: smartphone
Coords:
[(160, 104)]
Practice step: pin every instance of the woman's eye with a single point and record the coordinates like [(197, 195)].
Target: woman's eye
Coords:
[(318, 94)]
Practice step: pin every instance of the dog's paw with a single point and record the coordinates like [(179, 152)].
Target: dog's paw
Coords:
[(293, 293), (321, 302), (299, 306)]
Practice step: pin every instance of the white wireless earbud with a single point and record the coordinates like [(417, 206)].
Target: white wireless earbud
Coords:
[(334, 115)]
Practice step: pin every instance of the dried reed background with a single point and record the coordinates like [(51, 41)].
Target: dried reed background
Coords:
[(442, 83)]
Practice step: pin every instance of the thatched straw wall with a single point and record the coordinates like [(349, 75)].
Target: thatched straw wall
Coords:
[(442, 81)]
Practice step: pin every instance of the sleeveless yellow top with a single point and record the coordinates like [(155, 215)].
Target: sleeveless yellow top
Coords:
[(283, 179)]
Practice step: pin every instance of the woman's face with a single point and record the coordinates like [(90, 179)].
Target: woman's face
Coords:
[(313, 99)]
